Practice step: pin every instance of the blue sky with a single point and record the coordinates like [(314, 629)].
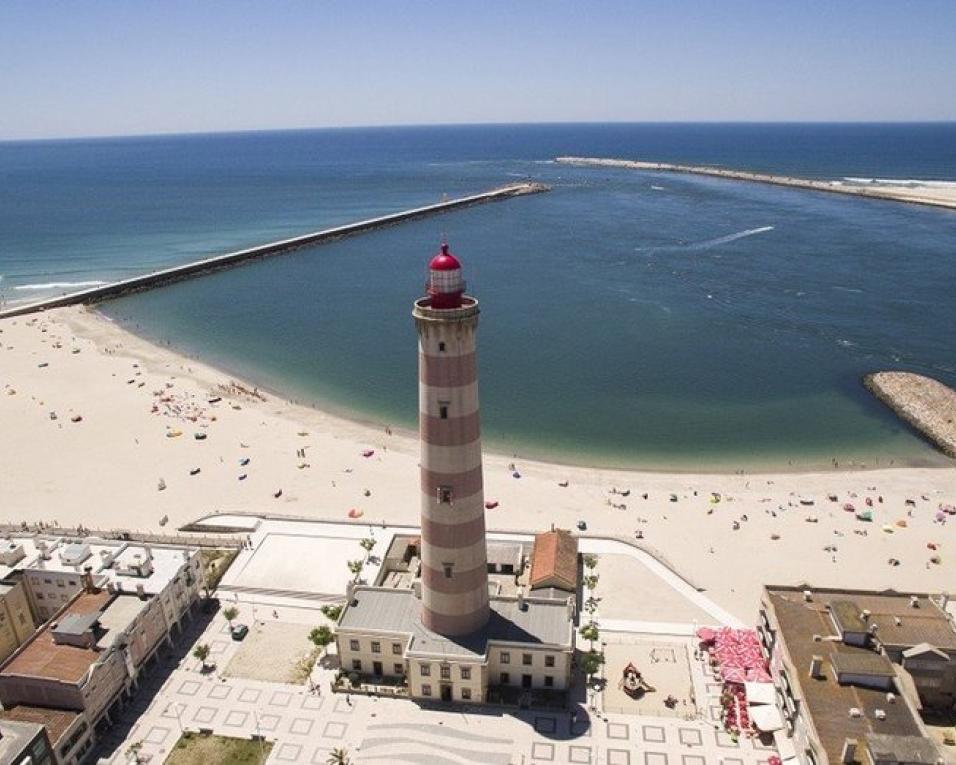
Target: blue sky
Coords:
[(112, 68)]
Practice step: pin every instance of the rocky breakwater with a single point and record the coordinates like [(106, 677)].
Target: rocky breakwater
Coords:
[(926, 404)]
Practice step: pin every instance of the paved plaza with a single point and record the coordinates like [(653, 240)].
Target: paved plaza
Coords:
[(290, 569), (305, 725)]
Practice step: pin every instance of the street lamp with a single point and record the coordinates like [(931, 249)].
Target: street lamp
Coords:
[(259, 734)]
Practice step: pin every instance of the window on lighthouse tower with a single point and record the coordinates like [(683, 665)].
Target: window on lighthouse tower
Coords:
[(443, 410)]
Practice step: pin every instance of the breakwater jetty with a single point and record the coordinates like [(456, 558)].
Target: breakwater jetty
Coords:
[(925, 403), (933, 193), (230, 259)]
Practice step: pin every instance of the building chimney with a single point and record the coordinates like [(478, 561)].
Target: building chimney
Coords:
[(417, 588), (816, 667), (865, 614), (807, 596), (849, 751), (149, 552), (522, 606), (141, 592), (914, 601), (943, 600)]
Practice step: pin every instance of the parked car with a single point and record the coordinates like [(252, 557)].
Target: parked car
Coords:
[(239, 631)]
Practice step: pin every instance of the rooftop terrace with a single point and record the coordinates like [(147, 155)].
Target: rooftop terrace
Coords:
[(832, 706)]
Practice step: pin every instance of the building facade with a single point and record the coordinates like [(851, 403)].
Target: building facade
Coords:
[(105, 609)]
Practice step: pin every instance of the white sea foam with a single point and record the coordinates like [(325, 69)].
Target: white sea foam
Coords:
[(846, 289), (59, 285)]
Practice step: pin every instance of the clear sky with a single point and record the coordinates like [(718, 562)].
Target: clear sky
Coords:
[(111, 68)]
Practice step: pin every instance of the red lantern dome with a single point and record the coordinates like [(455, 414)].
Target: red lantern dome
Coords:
[(445, 283), (444, 260)]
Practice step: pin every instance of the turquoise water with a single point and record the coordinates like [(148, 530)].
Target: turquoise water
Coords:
[(628, 318)]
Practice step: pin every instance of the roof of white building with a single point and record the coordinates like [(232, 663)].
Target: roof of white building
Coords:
[(127, 564), (386, 610)]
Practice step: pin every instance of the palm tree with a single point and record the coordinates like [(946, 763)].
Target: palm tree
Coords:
[(133, 750), (590, 561), (368, 544), (338, 756), (355, 566), (230, 612), (201, 652)]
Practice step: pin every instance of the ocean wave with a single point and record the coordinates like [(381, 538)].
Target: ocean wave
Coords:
[(59, 285)]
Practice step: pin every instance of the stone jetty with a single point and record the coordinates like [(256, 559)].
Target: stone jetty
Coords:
[(913, 192), (230, 259), (926, 404)]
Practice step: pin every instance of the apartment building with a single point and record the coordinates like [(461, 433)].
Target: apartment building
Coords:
[(854, 669)]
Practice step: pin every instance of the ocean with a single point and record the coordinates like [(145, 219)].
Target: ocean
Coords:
[(629, 319)]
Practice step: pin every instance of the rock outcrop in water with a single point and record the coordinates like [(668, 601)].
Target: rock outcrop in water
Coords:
[(926, 404)]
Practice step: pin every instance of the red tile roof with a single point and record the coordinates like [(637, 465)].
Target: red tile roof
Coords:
[(554, 560)]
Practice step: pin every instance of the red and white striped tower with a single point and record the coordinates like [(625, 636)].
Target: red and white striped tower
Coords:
[(453, 552)]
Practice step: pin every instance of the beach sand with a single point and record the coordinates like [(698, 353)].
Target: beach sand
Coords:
[(104, 471), (923, 192)]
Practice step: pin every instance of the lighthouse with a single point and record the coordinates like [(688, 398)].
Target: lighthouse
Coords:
[(453, 549)]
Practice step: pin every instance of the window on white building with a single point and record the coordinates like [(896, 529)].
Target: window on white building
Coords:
[(466, 694), (548, 681), (426, 690), (397, 649), (376, 647), (466, 673), (354, 645), (357, 665), (549, 661), (425, 670), (526, 659), (505, 657)]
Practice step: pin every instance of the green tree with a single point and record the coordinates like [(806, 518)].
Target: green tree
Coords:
[(338, 756), (591, 580), (590, 605), (355, 566), (590, 562), (321, 636), (590, 632), (368, 544), (592, 662), (230, 612), (133, 750), (332, 612), (201, 652)]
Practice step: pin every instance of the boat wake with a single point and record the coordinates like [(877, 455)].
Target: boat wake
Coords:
[(707, 243), (730, 238), (58, 285)]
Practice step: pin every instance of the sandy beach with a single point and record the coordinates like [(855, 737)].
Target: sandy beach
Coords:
[(932, 193), (141, 405)]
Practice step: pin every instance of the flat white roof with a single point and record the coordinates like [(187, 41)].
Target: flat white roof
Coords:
[(103, 556)]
